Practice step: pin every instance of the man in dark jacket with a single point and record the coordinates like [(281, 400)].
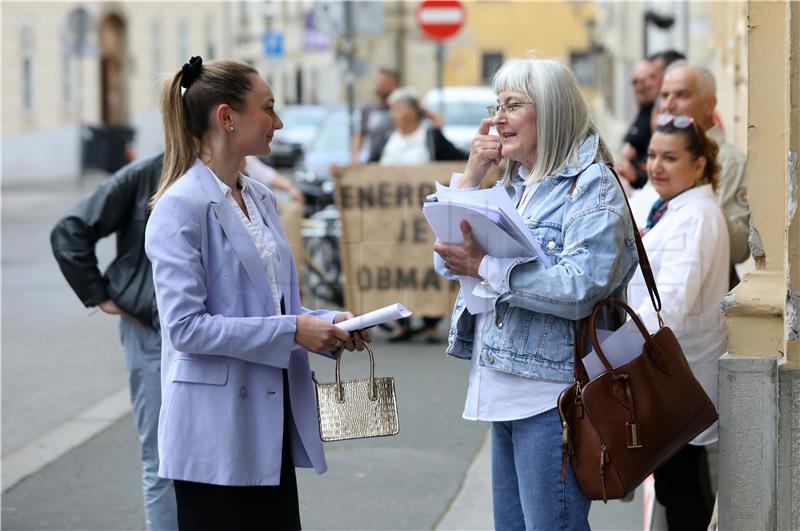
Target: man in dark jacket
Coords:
[(119, 206), (645, 90)]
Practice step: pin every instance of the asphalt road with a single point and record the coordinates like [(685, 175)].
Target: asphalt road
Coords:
[(60, 359), (401, 482)]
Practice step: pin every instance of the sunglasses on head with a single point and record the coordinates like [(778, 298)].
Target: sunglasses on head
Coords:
[(681, 122)]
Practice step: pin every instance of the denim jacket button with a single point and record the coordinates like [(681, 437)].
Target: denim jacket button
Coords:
[(489, 358), (551, 245), (500, 324)]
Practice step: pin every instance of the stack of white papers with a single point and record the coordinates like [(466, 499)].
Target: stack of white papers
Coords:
[(496, 225)]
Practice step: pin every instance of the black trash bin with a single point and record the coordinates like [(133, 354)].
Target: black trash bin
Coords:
[(106, 148)]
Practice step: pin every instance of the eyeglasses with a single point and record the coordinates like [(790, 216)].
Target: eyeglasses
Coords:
[(510, 108), (681, 122)]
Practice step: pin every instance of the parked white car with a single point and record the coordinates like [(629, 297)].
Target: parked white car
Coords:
[(462, 112)]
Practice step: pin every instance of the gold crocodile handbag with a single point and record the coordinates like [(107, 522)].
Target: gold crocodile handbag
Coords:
[(356, 409)]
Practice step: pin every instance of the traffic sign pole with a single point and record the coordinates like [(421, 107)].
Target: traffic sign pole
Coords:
[(440, 20)]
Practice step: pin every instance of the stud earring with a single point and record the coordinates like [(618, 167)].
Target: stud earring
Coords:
[(231, 128)]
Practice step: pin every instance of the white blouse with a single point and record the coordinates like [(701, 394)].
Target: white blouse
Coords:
[(493, 395), (410, 150), (688, 250), (259, 233)]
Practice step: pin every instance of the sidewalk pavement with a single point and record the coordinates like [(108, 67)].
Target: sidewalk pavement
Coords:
[(472, 507), (434, 475)]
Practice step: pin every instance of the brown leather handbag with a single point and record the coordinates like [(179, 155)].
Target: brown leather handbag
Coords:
[(621, 425)]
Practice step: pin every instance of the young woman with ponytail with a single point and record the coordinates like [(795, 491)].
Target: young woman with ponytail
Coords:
[(238, 410)]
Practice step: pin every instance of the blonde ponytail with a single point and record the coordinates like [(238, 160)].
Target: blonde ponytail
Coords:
[(186, 113), (180, 146)]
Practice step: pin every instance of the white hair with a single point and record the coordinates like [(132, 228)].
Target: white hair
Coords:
[(408, 94), (562, 114), (706, 83)]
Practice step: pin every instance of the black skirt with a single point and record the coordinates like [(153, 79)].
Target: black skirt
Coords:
[(202, 506)]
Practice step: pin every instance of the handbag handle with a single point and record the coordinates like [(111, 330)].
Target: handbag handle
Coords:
[(372, 393), (648, 339)]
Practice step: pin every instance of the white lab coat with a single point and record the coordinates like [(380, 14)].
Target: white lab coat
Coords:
[(689, 252)]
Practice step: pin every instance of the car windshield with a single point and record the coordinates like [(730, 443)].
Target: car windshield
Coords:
[(333, 136), (463, 113), (294, 117)]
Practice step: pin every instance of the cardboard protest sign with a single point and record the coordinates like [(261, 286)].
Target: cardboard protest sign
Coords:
[(291, 214), (386, 245)]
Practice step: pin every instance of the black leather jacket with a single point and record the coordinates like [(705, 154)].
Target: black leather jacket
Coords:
[(118, 205)]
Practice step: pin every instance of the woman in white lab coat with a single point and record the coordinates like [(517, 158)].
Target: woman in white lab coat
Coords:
[(686, 238)]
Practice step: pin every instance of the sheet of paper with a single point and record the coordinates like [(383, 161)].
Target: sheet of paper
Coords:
[(497, 226), (445, 220), (375, 317), (619, 347), (498, 200)]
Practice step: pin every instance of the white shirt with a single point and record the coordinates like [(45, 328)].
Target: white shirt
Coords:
[(688, 251), (406, 150), (494, 395), (260, 233)]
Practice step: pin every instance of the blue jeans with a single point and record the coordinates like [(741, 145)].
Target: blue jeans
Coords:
[(527, 490), (142, 347)]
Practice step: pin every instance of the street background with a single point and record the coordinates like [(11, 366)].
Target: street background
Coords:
[(80, 97)]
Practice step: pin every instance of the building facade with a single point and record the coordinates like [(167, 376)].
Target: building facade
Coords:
[(83, 79), (73, 71)]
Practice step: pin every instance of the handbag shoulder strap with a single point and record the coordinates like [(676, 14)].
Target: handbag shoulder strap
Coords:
[(582, 325), (644, 263)]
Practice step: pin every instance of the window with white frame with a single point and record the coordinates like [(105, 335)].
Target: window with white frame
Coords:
[(66, 74), (157, 43), (209, 35), (183, 41), (27, 53)]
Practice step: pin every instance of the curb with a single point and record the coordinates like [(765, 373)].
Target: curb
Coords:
[(471, 509), (36, 455)]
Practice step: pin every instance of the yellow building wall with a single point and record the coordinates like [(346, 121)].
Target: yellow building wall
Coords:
[(513, 28)]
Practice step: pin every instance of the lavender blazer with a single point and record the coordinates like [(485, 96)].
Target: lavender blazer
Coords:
[(224, 343)]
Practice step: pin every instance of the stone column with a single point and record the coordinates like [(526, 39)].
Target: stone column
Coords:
[(760, 374)]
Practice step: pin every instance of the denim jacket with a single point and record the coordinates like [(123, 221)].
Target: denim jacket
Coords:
[(588, 236)]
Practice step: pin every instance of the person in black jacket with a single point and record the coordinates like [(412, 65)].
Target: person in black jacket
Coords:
[(119, 205)]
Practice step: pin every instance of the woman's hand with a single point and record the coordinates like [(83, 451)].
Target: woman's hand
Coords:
[(462, 259), (357, 338), (110, 308), (318, 335), (297, 195), (626, 169), (484, 152)]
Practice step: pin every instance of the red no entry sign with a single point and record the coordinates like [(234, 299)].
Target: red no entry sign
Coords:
[(440, 19)]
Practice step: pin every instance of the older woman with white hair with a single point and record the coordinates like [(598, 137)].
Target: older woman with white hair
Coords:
[(521, 350), (414, 140), (416, 137)]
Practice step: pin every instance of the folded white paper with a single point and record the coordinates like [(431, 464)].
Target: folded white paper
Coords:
[(376, 317), (497, 226), (619, 347)]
